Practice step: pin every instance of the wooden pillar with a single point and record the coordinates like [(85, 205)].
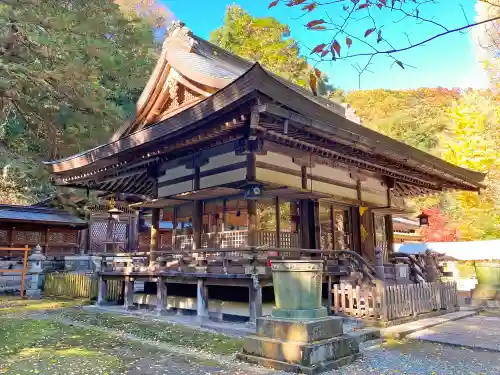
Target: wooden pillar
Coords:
[(128, 293), (252, 222), (293, 216), (389, 235), (329, 280), (317, 225), (202, 300), (161, 296), (255, 300), (355, 229), (197, 210), (332, 228), (102, 290), (367, 235), (174, 227), (224, 215), (278, 221), (155, 234), (133, 240)]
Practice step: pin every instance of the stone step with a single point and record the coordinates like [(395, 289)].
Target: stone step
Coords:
[(364, 334), (370, 344)]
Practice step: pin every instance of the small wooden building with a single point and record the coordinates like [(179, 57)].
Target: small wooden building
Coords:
[(56, 231), (255, 167)]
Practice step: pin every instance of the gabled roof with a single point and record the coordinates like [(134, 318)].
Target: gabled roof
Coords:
[(36, 215), (221, 80)]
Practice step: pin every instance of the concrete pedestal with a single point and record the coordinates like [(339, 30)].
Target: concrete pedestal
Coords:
[(308, 347)]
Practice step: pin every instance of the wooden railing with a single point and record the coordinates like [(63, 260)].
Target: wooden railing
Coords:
[(220, 240), (391, 302), (229, 260)]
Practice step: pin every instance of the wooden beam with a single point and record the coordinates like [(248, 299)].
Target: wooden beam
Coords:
[(155, 234), (277, 212)]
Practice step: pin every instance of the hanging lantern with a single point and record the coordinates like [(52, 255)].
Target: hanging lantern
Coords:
[(114, 214), (423, 219)]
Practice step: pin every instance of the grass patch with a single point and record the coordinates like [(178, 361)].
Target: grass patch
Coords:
[(16, 305), (47, 347), (159, 331)]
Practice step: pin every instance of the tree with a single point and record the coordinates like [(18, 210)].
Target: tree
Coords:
[(439, 228), (472, 142), (68, 71), (416, 117), (362, 28), (267, 41)]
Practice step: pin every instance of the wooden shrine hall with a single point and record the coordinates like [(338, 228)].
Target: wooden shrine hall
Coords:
[(248, 166)]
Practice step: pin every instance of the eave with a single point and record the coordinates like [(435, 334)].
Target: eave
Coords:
[(306, 114)]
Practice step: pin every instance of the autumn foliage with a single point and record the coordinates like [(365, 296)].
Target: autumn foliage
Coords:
[(439, 228)]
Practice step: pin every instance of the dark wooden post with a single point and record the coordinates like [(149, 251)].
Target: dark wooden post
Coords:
[(389, 235), (389, 230), (224, 215), (278, 221), (252, 203), (252, 222), (102, 290), (202, 300), (155, 234), (128, 293), (133, 240), (355, 229), (368, 242), (317, 225), (174, 227), (161, 296), (197, 209), (332, 227)]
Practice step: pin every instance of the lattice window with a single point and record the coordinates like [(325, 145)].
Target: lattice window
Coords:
[(144, 239), (4, 236), (165, 240), (98, 234), (28, 237), (63, 237)]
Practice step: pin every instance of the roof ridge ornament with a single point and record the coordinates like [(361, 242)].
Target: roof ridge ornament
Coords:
[(179, 37)]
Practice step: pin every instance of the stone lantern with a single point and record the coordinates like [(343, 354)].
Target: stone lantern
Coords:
[(299, 336)]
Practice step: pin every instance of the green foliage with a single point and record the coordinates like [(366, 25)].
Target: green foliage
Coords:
[(472, 142), (415, 117), (264, 40), (68, 74)]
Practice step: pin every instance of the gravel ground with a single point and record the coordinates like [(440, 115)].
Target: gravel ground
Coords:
[(418, 358), (409, 358)]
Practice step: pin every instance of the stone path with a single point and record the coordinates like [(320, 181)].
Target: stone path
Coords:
[(403, 330), (477, 332)]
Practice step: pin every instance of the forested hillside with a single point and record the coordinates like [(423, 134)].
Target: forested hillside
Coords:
[(70, 73), (416, 117)]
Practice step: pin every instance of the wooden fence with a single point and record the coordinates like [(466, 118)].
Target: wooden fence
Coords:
[(394, 301), (79, 285)]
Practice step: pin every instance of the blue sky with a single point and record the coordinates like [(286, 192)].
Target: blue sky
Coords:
[(449, 61)]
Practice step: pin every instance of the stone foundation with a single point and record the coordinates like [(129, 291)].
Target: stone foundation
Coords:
[(307, 347)]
